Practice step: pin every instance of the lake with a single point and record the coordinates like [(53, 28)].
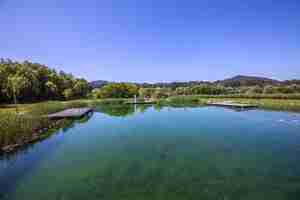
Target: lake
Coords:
[(146, 152)]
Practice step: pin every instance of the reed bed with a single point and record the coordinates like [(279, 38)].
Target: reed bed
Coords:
[(19, 128)]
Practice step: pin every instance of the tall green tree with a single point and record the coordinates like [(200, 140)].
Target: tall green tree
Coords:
[(16, 84)]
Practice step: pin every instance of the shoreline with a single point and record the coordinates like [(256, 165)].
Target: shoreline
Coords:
[(36, 136), (38, 133)]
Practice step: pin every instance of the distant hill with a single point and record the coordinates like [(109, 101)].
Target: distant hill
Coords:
[(236, 81), (241, 80), (98, 84)]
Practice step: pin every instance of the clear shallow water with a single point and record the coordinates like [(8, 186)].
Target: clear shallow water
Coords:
[(162, 153)]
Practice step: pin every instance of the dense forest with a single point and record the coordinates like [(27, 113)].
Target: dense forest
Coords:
[(29, 82)]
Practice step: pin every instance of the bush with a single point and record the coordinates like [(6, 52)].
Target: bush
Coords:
[(116, 90)]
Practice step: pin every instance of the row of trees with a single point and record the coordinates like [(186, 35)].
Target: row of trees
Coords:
[(126, 90), (269, 89), (28, 81)]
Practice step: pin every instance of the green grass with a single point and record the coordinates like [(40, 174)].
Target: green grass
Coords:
[(295, 96), (16, 128), (265, 103)]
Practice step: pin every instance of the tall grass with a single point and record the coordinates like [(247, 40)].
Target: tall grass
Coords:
[(17, 128)]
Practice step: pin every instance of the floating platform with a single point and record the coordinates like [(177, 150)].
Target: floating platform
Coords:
[(232, 105), (71, 113)]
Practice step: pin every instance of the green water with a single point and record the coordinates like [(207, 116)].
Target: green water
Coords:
[(161, 153)]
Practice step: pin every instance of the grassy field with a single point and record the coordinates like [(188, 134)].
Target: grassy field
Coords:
[(17, 128)]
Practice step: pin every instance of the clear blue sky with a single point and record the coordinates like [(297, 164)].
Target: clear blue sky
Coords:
[(155, 40)]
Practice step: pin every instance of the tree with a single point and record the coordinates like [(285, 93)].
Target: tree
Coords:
[(269, 89), (255, 90), (81, 88), (146, 92), (51, 88), (68, 93), (162, 93), (16, 85), (42, 82), (285, 89), (96, 93)]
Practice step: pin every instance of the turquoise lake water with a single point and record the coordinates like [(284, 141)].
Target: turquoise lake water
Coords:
[(141, 153)]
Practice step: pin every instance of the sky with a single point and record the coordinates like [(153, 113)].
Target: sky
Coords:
[(155, 40)]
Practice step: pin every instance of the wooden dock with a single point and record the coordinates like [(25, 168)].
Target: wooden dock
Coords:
[(232, 105), (71, 113)]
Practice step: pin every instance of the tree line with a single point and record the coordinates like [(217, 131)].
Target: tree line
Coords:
[(28, 82), (129, 90)]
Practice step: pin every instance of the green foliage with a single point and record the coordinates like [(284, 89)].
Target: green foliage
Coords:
[(255, 90), (16, 83), (116, 110), (269, 89), (116, 90), (146, 92), (111, 101), (96, 93), (208, 89), (295, 96), (68, 93), (191, 99), (35, 82), (161, 93), (290, 89), (17, 128)]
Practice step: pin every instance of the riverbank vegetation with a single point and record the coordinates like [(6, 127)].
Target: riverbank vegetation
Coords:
[(30, 122), (263, 103)]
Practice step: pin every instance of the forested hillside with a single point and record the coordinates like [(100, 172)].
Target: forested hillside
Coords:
[(36, 82)]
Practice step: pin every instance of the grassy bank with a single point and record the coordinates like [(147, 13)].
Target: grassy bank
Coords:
[(29, 123), (264, 103), (17, 129), (295, 96)]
